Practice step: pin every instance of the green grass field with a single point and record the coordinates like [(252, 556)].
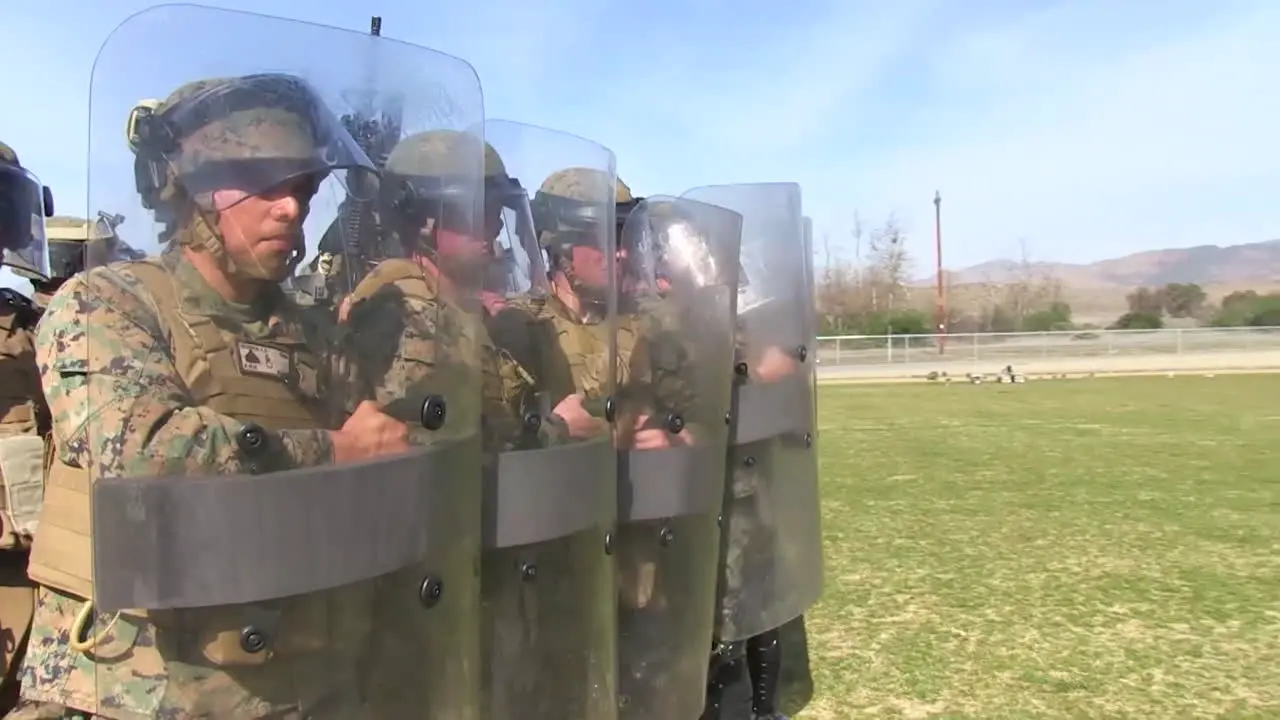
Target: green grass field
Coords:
[(1096, 548)]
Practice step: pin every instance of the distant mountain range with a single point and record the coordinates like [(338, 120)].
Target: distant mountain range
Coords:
[(1234, 265), (1096, 291)]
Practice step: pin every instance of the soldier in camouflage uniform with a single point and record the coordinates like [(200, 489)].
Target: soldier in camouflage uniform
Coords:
[(679, 261), (70, 240), (547, 580), (771, 569), (450, 254), (674, 292), (24, 416), (229, 167), (580, 285), (448, 273)]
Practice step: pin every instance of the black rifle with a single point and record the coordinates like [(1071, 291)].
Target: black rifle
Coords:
[(376, 129)]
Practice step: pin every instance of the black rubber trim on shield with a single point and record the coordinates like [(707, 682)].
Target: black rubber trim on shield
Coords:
[(765, 410), (191, 541), (672, 482), (534, 496)]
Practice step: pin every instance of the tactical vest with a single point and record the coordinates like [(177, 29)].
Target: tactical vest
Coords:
[(234, 377), (22, 415), (586, 348), (461, 340)]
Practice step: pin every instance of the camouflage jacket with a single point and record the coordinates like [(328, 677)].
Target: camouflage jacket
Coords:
[(121, 407), (407, 340), (655, 363), (104, 354)]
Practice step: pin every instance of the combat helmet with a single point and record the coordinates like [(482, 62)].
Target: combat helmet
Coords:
[(258, 130), (575, 199), (75, 243), (24, 203), (436, 168), (251, 132)]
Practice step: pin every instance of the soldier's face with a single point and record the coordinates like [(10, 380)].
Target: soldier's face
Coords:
[(590, 265), (260, 232)]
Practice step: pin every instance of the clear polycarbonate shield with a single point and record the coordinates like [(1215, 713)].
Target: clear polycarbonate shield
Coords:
[(524, 151), (771, 567), (22, 214), (285, 499), (550, 469), (675, 354), (812, 293)]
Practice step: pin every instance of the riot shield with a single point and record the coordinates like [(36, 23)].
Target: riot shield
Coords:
[(676, 351), (520, 268), (547, 583), (812, 294), (24, 204), (771, 568), (278, 513)]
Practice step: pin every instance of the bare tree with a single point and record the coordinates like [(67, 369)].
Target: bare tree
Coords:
[(888, 266), (1032, 288), (837, 291)]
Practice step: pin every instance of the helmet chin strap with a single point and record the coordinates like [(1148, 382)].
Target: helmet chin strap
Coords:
[(592, 303), (203, 234)]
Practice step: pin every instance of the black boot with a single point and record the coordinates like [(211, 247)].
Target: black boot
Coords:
[(728, 667), (764, 662)]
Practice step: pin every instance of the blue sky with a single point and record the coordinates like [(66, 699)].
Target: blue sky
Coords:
[(1087, 129)]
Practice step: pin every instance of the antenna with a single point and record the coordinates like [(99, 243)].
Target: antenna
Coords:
[(375, 26)]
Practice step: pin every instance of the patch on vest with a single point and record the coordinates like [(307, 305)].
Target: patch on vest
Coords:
[(22, 462), (264, 360)]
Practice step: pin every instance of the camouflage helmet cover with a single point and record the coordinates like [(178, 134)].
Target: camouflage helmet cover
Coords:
[(70, 239), (250, 132), (437, 166), (8, 156), (585, 185), (442, 153), (624, 193), (574, 199)]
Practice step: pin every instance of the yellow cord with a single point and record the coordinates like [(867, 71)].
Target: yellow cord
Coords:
[(83, 618)]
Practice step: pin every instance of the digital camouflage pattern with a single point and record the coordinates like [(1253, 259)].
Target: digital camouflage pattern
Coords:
[(103, 322), (442, 153), (102, 338), (414, 339), (287, 123), (134, 359), (273, 122), (401, 293), (581, 184)]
